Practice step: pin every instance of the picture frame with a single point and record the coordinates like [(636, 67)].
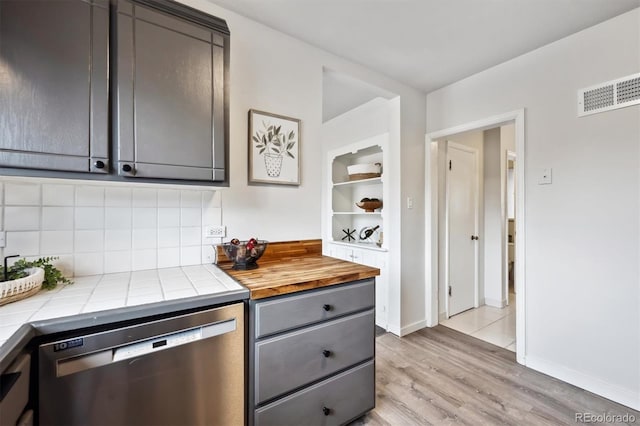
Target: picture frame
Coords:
[(274, 149)]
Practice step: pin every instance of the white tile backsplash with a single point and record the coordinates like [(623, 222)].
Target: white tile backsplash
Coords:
[(87, 241), (21, 218), (168, 217), (191, 198), (190, 216), (89, 196), (89, 218), (21, 194), (57, 195), (117, 197), (145, 197), (145, 239), (169, 237), (56, 242), (168, 198), (96, 228), (117, 239), (24, 243), (117, 217), (145, 217), (191, 236), (57, 218)]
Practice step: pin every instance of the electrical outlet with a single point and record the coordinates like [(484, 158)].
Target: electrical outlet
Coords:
[(215, 231)]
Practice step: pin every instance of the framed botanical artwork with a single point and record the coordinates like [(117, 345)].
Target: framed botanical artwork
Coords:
[(274, 148)]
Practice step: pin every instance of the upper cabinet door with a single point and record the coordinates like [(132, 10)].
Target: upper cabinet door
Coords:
[(170, 112), (53, 85)]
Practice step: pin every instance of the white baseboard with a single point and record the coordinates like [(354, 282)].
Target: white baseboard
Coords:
[(408, 329), (392, 328), (494, 302), (600, 387)]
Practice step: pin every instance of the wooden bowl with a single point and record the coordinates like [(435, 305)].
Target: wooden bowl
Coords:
[(369, 206)]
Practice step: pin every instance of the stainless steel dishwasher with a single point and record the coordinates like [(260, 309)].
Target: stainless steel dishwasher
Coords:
[(183, 370)]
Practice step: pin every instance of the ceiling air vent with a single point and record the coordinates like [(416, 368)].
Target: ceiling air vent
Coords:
[(613, 94)]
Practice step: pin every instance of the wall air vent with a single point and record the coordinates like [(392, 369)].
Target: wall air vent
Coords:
[(613, 94)]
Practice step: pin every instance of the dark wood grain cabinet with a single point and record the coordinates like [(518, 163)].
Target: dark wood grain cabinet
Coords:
[(162, 66), (53, 85)]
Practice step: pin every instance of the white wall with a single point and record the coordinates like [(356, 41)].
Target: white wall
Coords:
[(582, 232), (293, 87)]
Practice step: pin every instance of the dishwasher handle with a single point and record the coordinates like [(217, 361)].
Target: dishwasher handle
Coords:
[(148, 346)]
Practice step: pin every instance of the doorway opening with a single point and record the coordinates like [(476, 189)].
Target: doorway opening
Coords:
[(476, 232)]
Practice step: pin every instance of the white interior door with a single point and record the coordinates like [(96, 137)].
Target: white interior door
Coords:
[(462, 225)]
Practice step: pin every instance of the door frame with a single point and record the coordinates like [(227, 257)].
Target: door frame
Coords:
[(475, 223), (431, 218)]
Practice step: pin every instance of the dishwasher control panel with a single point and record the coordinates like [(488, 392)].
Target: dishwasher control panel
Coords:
[(159, 343)]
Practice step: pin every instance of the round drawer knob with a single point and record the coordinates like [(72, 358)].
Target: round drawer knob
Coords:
[(326, 411), (99, 164), (326, 353), (327, 307), (127, 168)]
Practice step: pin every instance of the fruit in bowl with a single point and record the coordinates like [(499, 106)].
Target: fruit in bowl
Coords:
[(244, 254)]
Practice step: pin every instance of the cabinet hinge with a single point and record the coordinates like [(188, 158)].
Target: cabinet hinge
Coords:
[(449, 290), (449, 164)]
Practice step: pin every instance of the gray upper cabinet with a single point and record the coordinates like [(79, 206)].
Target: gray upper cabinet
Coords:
[(53, 85), (169, 113)]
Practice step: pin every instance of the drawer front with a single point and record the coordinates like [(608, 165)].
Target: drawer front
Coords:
[(14, 402), (287, 362), (287, 313), (345, 396)]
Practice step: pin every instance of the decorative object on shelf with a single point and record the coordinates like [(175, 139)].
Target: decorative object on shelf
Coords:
[(244, 254), (364, 171), (369, 205), (276, 139), (367, 232), (349, 234), (25, 278)]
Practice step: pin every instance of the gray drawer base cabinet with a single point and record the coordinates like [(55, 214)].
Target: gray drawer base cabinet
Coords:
[(312, 356)]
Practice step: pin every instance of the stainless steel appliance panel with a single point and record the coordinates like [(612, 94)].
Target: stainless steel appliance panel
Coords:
[(181, 370)]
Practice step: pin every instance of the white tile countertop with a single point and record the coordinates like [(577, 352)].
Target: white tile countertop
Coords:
[(98, 293)]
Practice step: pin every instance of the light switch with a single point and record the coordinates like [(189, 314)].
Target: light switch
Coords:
[(545, 176), (409, 202)]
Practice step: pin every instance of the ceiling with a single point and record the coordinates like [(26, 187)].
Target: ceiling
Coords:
[(429, 44)]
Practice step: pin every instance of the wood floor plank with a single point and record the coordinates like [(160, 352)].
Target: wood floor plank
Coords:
[(439, 376)]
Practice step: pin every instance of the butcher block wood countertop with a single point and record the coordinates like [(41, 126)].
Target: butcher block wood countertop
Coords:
[(292, 266)]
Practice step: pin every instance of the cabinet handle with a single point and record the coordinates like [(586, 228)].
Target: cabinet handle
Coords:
[(326, 411), (126, 168), (326, 353), (99, 164), (327, 307)]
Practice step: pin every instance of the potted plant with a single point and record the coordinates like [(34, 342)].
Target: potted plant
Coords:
[(274, 144), (26, 277)]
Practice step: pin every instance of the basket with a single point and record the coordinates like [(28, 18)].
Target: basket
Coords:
[(21, 288)]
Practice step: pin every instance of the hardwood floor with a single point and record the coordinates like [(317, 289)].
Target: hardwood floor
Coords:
[(440, 376)]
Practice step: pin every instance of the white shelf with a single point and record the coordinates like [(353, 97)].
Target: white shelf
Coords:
[(367, 246), (357, 213), (360, 182)]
